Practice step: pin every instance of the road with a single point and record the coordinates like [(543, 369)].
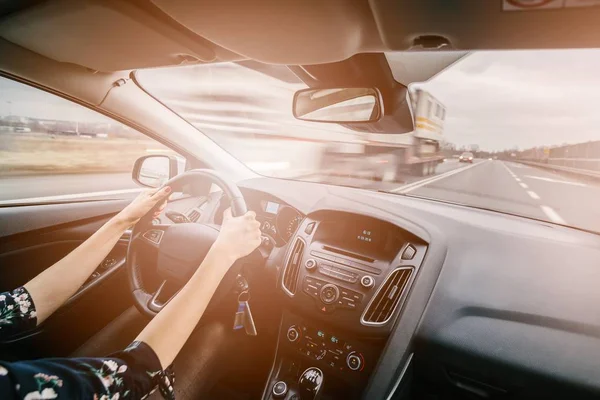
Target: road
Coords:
[(504, 186), (518, 189), (499, 185), (36, 186)]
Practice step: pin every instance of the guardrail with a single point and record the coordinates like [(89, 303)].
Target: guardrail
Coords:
[(560, 168)]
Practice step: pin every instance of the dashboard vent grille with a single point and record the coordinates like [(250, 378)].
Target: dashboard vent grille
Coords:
[(386, 300), (292, 268), (194, 215)]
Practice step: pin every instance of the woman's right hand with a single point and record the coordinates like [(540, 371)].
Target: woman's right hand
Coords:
[(239, 236)]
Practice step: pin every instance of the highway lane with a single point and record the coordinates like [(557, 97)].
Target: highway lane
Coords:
[(443, 168), (518, 189), (39, 186), (504, 186), (34, 186)]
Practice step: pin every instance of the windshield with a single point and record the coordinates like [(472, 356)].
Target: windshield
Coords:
[(525, 122)]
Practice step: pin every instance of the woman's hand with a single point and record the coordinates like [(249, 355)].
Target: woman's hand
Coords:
[(143, 203), (239, 236)]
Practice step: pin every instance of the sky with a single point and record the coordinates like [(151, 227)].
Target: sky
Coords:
[(497, 100), (530, 98)]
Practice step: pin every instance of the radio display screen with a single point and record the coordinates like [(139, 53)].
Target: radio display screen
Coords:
[(360, 234)]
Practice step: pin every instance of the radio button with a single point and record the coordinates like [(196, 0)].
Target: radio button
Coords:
[(329, 294), (367, 281), (310, 264)]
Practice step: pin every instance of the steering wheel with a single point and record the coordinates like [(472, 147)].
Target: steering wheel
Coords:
[(180, 247)]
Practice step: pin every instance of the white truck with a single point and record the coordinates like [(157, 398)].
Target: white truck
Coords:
[(388, 157)]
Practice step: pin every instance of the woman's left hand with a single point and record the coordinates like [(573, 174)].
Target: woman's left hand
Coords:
[(144, 203)]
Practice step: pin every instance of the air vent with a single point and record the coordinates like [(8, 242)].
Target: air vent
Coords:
[(384, 303), (194, 215), (292, 268)]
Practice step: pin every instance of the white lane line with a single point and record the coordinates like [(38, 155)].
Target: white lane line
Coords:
[(533, 195), (69, 196), (415, 185), (524, 185), (508, 169), (541, 178), (553, 215), (517, 179)]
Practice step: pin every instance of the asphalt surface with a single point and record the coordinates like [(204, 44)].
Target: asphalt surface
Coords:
[(503, 186), (519, 189), (492, 184), (35, 186)]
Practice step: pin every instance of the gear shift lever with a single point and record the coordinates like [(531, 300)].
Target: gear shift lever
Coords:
[(310, 383)]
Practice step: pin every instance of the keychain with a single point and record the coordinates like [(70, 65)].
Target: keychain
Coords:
[(243, 317)]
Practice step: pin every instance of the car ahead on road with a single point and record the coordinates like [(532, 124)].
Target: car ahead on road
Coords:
[(478, 282), (466, 157)]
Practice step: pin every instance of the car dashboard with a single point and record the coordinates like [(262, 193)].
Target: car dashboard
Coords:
[(392, 296)]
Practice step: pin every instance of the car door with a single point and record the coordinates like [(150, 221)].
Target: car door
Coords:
[(64, 171)]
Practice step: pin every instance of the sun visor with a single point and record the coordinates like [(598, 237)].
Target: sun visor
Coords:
[(104, 36), (294, 32)]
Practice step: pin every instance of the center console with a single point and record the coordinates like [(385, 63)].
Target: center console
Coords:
[(344, 281)]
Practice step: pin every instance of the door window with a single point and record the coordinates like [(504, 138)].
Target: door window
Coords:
[(54, 149)]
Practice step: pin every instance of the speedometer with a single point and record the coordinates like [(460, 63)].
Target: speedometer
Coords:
[(287, 222)]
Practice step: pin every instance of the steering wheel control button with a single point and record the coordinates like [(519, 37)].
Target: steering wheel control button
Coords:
[(310, 264), (409, 253), (279, 389), (153, 236), (354, 362), (310, 228), (367, 281), (293, 334), (329, 293)]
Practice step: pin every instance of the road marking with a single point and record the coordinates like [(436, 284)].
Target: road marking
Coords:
[(75, 196), (415, 185), (508, 169), (541, 178), (517, 179), (533, 195), (553, 215), (524, 185)]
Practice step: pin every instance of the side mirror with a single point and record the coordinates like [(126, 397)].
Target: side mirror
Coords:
[(154, 170), (338, 105)]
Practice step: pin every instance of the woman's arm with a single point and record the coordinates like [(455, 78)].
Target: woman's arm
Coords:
[(51, 288), (169, 330)]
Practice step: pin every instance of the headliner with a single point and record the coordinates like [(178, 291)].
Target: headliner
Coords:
[(113, 35)]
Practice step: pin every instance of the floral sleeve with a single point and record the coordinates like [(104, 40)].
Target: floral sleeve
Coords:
[(134, 373), (17, 312)]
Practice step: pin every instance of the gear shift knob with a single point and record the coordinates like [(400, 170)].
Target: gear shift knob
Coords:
[(310, 383)]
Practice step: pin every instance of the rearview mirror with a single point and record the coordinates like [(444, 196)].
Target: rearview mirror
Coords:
[(154, 170), (338, 105)]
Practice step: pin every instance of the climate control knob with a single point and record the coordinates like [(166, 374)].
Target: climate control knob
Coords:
[(279, 390), (310, 264), (293, 334), (367, 281), (329, 293), (354, 361)]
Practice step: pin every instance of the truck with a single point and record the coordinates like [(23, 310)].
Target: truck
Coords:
[(389, 157)]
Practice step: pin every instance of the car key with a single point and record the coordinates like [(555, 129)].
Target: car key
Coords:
[(243, 317)]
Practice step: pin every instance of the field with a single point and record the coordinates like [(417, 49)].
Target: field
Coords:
[(40, 153)]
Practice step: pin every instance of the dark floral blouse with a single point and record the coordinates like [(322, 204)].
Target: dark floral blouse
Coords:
[(133, 373)]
